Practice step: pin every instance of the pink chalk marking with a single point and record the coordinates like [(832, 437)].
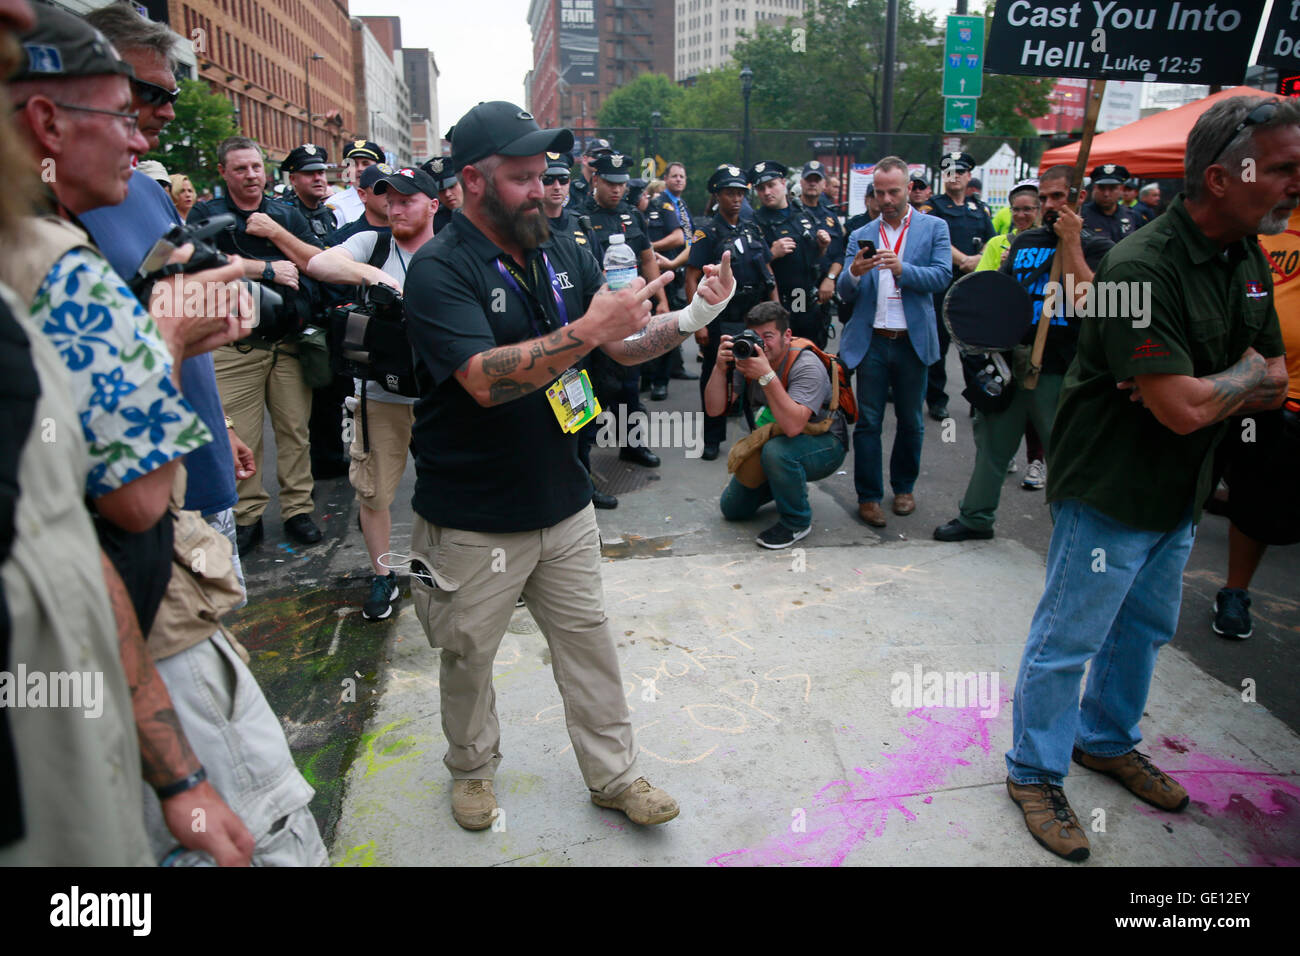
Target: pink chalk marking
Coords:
[(845, 812), (928, 800)]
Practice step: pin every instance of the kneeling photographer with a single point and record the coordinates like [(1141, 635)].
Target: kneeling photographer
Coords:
[(803, 435), (384, 415)]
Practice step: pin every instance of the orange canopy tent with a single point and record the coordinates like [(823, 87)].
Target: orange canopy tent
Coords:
[(1151, 148)]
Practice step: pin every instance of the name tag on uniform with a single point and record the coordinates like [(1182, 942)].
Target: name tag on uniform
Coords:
[(572, 400), (740, 246)]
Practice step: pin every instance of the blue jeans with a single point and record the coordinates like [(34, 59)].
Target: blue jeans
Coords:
[(889, 362), (789, 464), (1112, 597)]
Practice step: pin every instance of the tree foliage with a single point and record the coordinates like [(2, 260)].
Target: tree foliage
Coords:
[(188, 144), (633, 103)]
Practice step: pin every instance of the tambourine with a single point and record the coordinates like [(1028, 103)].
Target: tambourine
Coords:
[(987, 311)]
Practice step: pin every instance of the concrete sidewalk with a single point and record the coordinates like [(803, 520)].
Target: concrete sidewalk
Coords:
[(763, 693)]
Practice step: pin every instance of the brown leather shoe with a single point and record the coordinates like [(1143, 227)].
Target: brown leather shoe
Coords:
[(1140, 775), (872, 513), (1050, 820), (904, 504), (643, 803), (473, 804)]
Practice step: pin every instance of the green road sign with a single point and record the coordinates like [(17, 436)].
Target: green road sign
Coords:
[(959, 114), (963, 57)]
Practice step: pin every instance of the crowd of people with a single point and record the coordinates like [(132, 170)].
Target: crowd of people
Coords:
[(153, 489)]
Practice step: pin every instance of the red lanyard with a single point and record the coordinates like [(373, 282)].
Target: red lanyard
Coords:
[(901, 233)]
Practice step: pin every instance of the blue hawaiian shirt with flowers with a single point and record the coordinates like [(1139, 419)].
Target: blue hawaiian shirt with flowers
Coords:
[(133, 417)]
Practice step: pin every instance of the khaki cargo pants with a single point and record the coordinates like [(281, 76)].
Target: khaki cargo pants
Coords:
[(478, 577), (249, 383)]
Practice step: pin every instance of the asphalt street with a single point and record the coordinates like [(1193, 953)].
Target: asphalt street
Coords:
[(791, 713)]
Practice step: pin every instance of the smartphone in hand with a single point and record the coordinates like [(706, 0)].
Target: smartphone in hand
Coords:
[(868, 246)]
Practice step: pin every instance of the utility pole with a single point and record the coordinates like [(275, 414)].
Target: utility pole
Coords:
[(891, 55), (307, 73)]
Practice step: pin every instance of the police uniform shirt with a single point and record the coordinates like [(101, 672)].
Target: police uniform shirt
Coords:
[(509, 467), (750, 255), (567, 224), (321, 219), (1122, 222), (967, 221), (442, 218), (661, 220), (239, 243), (826, 219), (605, 222), (579, 190), (798, 269)]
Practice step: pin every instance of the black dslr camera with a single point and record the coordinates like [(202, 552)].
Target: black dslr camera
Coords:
[(368, 340), (271, 318), (746, 345)]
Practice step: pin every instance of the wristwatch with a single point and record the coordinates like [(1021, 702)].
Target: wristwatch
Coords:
[(268, 274), (766, 380)]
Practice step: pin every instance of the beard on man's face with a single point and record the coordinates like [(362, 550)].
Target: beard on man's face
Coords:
[(1276, 221), (517, 225)]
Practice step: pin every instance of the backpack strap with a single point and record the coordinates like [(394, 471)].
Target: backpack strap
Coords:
[(798, 345), (383, 246)]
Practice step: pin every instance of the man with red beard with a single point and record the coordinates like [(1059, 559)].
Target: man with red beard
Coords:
[(499, 313), (384, 433)]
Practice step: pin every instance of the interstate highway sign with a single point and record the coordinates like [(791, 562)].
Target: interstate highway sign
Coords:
[(1152, 41), (963, 57)]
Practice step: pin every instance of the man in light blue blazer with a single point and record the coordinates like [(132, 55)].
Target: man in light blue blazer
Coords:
[(891, 339)]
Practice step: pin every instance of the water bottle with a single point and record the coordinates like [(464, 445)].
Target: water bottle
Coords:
[(620, 263)]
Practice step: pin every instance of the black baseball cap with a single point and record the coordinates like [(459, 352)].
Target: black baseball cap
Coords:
[(307, 158), (962, 162), (365, 149), (499, 128), (407, 182), (974, 183), (1109, 174), (916, 179), (441, 171), (727, 177), (761, 172), (613, 167), (62, 44), (814, 168), (372, 174)]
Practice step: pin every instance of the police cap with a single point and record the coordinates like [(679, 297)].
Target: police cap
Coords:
[(63, 44), (761, 172), (814, 168), (959, 162), (916, 180), (1109, 174), (441, 171), (598, 147), (727, 177), (365, 149), (613, 167), (307, 158), (499, 128), (372, 174), (557, 164)]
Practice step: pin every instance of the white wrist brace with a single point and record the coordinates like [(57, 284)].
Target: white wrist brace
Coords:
[(699, 313)]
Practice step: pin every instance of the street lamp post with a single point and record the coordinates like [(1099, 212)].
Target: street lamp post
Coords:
[(655, 119), (746, 87), (307, 73)]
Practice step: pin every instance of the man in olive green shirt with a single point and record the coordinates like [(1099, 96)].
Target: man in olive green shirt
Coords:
[(1186, 337)]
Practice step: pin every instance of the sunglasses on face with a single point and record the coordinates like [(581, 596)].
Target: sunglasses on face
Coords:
[(1260, 114), (552, 180), (154, 95)]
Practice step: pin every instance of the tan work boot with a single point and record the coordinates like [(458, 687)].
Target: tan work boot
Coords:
[(1050, 820), (872, 513), (643, 803), (473, 804), (1140, 775)]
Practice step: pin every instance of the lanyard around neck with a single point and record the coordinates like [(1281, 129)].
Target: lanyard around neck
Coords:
[(518, 282), (898, 244)]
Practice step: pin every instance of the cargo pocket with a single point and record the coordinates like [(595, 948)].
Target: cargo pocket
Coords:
[(442, 574)]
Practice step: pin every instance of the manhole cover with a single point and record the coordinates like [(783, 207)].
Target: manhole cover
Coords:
[(615, 477)]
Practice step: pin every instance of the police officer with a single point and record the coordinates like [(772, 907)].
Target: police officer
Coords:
[(969, 227), (444, 177), (306, 167), (359, 155), (668, 240), (920, 194), (609, 215), (580, 185), (727, 231), (1103, 214), (814, 199), (796, 244)]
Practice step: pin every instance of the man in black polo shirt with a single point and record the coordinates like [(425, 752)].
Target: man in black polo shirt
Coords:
[(499, 312), (1142, 408)]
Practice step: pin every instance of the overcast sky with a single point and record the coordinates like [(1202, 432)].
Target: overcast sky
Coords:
[(483, 47)]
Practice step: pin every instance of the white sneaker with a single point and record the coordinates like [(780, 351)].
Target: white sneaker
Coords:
[(1012, 467), (1036, 476)]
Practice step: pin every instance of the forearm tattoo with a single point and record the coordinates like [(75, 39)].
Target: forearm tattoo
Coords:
[(514, 373), (1237, 384), (663, 333)]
